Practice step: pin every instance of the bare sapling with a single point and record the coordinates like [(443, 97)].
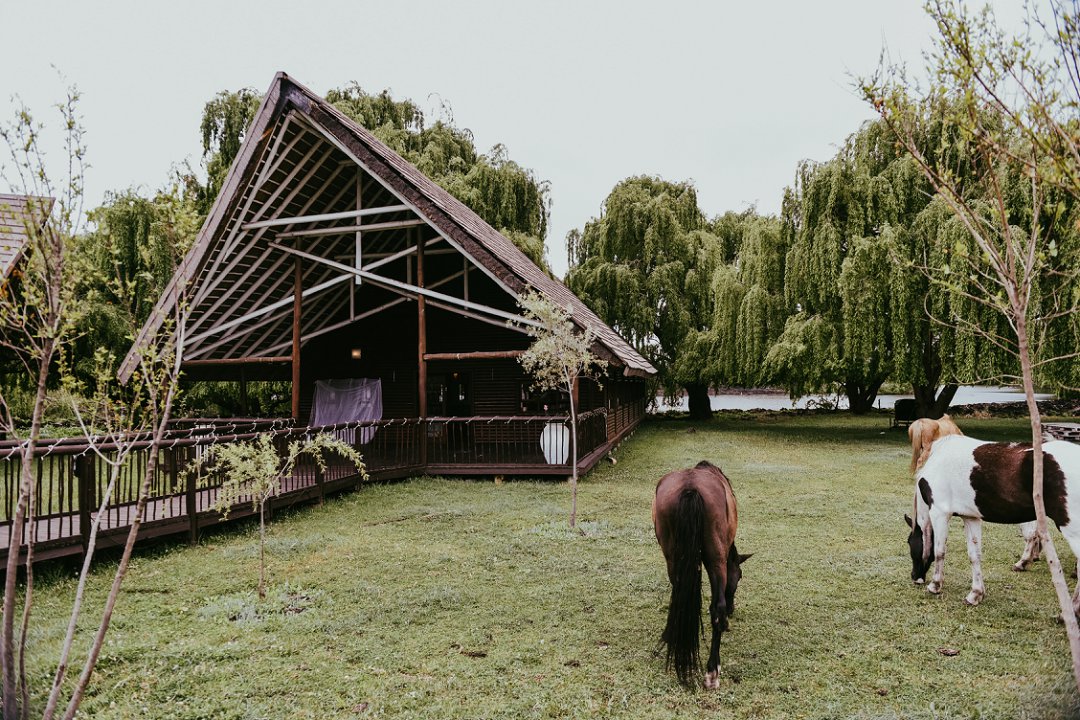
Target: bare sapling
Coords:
[(1011, 104), (559, 356), (254, 470)]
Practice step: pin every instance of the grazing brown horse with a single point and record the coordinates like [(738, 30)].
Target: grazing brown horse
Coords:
[(695, 519)]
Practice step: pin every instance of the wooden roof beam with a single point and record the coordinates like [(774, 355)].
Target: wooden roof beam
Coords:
[(266, 309), (325, 217), (406, 288), (333, 139), (273, 157), (343, 229), (214, 282)]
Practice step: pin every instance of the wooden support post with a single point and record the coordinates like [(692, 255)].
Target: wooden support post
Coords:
[(421, 339), (192, 505), (84, 473), (244, 393), (298, 302)]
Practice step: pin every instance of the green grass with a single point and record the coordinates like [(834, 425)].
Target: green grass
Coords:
[(437, 599)]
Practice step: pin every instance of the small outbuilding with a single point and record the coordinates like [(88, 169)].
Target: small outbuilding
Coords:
[(19, 214)]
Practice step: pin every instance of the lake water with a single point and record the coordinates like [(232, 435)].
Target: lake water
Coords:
[(766, 400)]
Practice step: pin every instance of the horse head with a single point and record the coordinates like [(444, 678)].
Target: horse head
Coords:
[(921, 544), (734, 575)]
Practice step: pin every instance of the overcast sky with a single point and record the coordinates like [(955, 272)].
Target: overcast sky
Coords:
[(730, 95)]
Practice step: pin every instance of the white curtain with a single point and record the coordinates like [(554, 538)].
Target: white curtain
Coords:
[(348, 400)]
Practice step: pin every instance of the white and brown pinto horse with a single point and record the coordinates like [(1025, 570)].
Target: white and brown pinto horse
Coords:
[(980, 480), (695, 519), (923, 433)]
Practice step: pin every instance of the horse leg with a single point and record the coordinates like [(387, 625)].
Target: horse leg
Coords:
[(973, 531), (718, 617), (940, 524), (1032, 546)]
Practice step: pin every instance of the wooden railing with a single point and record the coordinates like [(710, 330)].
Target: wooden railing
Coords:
[(540, 443), (71, 476)]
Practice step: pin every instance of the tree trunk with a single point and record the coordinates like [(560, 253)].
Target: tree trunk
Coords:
[(573, 457), (160, 426), (1057, 575), (26, 479), (262, 550), (931, 404), (700, 404), (861, 397)]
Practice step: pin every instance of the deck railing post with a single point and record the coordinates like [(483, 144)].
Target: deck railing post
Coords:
[(84, 472), (190, 491)]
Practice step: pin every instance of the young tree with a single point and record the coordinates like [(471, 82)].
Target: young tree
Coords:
[(37, 317), (255, 470), (40, 311), (558, 356), (1015, 100)]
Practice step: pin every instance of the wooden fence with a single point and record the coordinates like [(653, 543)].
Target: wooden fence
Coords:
[(71, 476)]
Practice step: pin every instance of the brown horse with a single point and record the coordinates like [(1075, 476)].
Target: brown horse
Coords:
[(695, 519)]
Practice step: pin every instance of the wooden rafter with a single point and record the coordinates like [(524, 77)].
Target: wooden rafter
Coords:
[(324, 217), (267, 252), (397, 285)]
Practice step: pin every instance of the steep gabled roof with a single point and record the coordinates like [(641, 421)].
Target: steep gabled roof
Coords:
[(17, 214), (306, 165)]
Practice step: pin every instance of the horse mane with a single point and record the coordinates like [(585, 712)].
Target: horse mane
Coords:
[(923, 432)]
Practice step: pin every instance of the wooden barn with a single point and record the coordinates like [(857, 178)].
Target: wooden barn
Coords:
[(328, 258)]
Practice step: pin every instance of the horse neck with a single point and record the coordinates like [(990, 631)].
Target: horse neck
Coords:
[(922, 510)]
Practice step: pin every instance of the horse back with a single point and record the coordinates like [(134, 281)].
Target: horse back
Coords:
[(716, 494), (1000, 476)]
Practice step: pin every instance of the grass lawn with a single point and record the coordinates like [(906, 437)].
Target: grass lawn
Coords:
[(446, 599)]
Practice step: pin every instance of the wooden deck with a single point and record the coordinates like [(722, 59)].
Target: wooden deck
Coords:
[(61, 535), (69, 488)]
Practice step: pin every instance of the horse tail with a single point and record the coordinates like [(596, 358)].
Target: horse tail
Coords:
[(683, 631), (921, 433)]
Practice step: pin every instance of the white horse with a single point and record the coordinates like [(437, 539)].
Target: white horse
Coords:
[(923, 433), (978, 481)]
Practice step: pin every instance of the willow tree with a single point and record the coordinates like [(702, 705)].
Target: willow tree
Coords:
[(224, 124), (762, 311), (135, 244), (645, 266), (861, 225), (1015, 99), (830, 214)]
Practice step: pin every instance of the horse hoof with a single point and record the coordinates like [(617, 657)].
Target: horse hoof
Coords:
[(712, 681), (973, 598), (920, 581), (933, 588), (1020, 567)]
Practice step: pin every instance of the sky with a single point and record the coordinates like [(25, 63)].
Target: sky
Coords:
[(728, 95)]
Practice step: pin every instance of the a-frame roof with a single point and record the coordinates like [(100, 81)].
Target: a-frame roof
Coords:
[(309, 182), (18, 213)]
